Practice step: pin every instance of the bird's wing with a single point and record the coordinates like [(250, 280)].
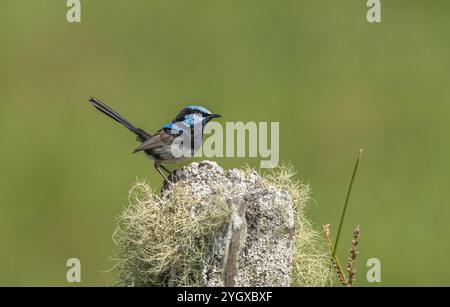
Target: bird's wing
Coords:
[(159, 139)]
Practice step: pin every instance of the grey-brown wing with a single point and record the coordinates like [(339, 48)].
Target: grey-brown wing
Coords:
[(159, 139)]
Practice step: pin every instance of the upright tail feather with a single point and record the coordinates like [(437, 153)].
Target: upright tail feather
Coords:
[(142, 135)]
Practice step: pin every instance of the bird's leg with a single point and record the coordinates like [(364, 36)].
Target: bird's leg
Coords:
[(172, 174), (164, 168), (157, 167)]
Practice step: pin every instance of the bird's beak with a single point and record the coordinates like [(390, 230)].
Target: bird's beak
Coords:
[(215, 116)]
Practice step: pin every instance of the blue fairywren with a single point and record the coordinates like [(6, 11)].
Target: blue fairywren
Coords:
[(158, 146)]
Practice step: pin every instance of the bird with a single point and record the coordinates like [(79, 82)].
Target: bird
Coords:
[(158, 146)]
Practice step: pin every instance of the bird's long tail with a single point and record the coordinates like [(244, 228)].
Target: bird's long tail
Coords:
[(141, 134)]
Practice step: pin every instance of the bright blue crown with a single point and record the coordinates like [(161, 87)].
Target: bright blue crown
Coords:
[(199, 108)]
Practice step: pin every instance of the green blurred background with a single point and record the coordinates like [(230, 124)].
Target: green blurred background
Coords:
[(334, 82)]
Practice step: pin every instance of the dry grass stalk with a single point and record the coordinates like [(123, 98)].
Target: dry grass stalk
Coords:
[(353, 254), (335, 261), (345, 281)]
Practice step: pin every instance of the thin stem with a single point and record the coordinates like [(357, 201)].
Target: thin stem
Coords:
[(335, 261), (346, 202)]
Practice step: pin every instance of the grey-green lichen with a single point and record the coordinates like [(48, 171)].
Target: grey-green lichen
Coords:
[(182, 237)]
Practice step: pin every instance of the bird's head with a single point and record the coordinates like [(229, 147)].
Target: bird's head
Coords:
[(191, 115)]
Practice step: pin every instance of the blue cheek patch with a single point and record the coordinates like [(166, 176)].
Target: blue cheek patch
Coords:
[(192, 119), (188, 121)]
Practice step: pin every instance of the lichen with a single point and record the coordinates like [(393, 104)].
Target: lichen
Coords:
[(162, 241), (178, 238)]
